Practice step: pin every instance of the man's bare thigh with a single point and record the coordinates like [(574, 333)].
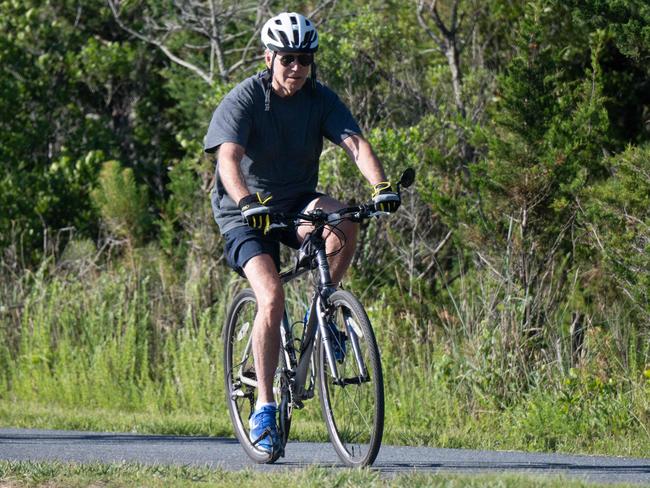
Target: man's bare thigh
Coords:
[(326, 203)]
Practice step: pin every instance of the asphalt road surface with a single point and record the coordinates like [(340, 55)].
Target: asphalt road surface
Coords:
[(39, 445)]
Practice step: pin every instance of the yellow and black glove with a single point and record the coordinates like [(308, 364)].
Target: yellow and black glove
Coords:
[(384, 198), (255, 212)]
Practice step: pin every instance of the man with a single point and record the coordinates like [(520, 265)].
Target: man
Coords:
[(269, 135)]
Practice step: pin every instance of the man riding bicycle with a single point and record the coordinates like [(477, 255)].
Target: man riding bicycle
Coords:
[(268, 132)]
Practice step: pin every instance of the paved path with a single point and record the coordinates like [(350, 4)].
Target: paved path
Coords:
[(27, 444)]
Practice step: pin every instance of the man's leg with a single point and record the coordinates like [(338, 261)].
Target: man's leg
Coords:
[(341, 261), (265, 281)]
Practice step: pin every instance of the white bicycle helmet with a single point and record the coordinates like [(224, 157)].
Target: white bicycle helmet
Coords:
[(290, 32)]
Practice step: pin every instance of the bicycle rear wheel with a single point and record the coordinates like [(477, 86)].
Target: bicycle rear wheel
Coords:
[(240, 377), (353, 408)]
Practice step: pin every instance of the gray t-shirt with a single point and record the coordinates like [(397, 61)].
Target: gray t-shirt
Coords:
[(282, 146)]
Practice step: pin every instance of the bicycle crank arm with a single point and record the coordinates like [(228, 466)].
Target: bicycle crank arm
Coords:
[(253, 383)]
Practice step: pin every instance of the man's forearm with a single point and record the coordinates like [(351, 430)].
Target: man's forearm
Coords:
[(360, 151), (369, 165), (230, 156)]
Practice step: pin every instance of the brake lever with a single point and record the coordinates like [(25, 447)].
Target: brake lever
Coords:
[(334, 217)]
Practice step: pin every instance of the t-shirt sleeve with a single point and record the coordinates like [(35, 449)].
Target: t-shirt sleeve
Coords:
[(338, 122), (231, 121)]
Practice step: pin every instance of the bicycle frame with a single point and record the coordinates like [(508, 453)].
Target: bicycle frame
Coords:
[(300, 366), (299, 362)]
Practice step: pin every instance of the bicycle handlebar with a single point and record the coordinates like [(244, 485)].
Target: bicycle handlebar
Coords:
[(320, 217)]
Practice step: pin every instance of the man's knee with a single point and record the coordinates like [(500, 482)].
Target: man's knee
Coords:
[(271, 300), (264, 279)]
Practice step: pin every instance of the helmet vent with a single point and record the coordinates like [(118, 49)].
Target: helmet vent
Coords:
[(284, 39)]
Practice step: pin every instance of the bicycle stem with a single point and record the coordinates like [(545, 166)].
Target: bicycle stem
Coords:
[(326, 286)]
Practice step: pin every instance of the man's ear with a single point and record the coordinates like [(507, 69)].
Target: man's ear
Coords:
[(268, 57)]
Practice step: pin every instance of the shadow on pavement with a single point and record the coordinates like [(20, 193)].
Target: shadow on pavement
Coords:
[(513, 466), (113, 438)]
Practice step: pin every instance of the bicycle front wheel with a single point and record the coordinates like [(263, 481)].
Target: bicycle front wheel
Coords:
[(352, 404), (241, 379)]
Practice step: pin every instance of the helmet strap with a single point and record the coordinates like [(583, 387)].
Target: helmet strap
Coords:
[(269, 85), (313, 75)]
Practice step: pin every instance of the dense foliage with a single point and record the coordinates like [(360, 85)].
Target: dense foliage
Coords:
[(522, 253)]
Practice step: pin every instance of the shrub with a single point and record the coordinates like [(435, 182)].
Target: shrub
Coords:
[(122, 203)]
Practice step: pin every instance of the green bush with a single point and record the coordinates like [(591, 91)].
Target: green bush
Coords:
[(122, 203), (617, 216)]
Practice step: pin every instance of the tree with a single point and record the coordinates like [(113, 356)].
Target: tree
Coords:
[(616, 214), (75, 92), (546, 146), (122, 203), (210, 38)]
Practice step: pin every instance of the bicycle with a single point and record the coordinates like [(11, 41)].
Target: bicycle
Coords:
[(337, 351)]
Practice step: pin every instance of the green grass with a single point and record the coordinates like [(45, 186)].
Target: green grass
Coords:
[(137, 347), (539, 425), (38, 416), (54, 475)]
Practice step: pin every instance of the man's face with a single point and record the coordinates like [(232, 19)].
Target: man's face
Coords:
[(289, 79)]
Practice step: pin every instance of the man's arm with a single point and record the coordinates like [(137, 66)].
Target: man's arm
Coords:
[(253, 207), (230, 156), (383, 196), (360, 151)]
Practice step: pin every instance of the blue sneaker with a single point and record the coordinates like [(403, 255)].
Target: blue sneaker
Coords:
[(264, 430), (339, 341)]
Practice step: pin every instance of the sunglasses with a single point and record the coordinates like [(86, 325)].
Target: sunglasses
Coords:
[(303, 59)]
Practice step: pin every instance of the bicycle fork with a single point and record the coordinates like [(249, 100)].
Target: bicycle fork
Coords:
[(326, 290), (326, 337)]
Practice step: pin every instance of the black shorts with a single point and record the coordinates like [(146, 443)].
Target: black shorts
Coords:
[(243, 243)]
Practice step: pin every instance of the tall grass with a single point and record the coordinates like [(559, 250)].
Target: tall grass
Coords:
[(143, 335)]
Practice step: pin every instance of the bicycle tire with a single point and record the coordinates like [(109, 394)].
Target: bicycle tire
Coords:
[(353, 413), (238, 360)]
